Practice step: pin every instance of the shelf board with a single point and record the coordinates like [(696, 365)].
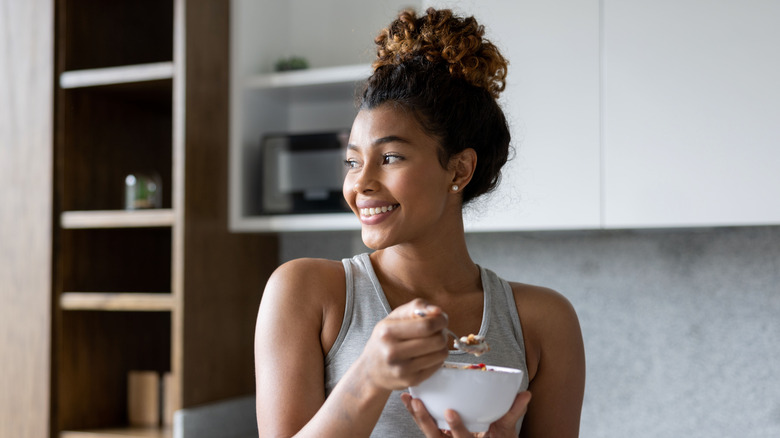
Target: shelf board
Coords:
[(297, 222), (134, 432), (117, 75), (113, 301), (161, 217), (310, 77)]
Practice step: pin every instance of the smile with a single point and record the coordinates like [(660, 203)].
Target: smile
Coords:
[(368, 212)]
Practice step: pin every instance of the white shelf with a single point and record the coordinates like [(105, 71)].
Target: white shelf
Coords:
[(310, 77), (117, 75), (299, 222)]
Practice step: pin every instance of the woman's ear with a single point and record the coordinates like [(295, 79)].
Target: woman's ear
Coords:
[(462, 166)]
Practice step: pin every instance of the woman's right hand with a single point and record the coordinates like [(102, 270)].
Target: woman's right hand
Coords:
[(406, 347)]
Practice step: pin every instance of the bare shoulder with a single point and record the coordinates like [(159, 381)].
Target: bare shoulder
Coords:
[(305, 278), (541, 303), (313, 290), (549, 322), (555, 356), (300, 307), (309, 269)]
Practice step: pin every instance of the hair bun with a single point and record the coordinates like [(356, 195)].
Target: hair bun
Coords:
[(439, 37)]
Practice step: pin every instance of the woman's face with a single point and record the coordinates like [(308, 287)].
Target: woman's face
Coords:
[(395, 183)]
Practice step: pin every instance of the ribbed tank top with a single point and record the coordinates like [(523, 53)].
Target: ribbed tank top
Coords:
[(366, 305)]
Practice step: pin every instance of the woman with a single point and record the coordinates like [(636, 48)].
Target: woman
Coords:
[(337, 343)]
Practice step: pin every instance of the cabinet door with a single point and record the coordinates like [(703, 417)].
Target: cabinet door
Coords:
[(692, 121), (552, 103)]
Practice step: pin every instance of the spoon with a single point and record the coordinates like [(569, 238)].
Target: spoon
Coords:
[(472, 344)]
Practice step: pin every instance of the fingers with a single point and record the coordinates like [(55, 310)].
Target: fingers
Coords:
[(505, 426), (457, 428), (417, 308), (424, 421), (405, 348), (415, 319), (508, 422)]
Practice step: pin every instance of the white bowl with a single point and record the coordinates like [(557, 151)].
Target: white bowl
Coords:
[(480, 397)]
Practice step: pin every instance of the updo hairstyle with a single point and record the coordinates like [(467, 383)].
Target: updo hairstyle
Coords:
[(441, 69)]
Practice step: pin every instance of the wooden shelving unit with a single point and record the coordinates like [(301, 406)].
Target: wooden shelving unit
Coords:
[(118, 218), (131, 301), (142, 87), (123, 74), (133, 432)]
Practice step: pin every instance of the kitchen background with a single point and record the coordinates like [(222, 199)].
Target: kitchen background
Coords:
[(644, 188), (644, 133)]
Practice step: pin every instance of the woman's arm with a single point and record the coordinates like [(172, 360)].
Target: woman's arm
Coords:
[(290, 348), (556, 365)]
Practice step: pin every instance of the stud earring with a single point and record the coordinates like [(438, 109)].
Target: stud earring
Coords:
[(455, 187)]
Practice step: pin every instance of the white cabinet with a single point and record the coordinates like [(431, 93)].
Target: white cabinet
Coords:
[(691, 113), (552, 102), (623, 114), (336, 38)]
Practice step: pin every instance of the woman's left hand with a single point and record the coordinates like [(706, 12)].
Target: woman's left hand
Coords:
[(503, 427)]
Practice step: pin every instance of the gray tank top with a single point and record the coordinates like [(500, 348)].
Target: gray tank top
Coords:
[(366, 305)]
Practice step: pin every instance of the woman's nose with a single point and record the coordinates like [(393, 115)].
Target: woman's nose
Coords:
[(364, 181)]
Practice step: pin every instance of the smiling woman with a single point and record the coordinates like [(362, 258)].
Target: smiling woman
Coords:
[(429, 137)]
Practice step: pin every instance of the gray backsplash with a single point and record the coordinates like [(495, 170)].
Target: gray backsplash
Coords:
[(681, 327)]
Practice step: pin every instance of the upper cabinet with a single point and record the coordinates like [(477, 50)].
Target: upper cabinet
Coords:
[(335, 37), (552, 103), (622, 114), (691, 113)]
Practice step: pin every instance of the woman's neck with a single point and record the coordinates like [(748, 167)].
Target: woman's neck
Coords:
[(429, 272)]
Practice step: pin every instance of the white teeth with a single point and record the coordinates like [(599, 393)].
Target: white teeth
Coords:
[(376, 210)]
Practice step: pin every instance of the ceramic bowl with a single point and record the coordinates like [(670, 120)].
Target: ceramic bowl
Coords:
[(479, 396)]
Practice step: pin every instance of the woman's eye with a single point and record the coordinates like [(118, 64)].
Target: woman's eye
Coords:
[(390, 158), (350, 164)]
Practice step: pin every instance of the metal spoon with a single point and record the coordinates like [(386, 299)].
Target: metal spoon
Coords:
[(472, 344)]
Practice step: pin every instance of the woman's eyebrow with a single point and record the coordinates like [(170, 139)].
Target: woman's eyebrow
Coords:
[(382, 140)]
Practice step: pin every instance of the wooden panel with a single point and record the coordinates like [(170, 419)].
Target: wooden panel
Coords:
[(117, 218), (134, 432), (97, 351), (131, 432), (116, 260), (108, 134), (132, 301), (224, 273), (128, 32), (26, 80)]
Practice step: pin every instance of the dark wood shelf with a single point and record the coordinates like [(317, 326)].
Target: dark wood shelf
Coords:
[(117, 301), (117, 218), (129, 432)]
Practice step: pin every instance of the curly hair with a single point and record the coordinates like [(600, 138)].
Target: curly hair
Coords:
[(439, 36), (441, 69)]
